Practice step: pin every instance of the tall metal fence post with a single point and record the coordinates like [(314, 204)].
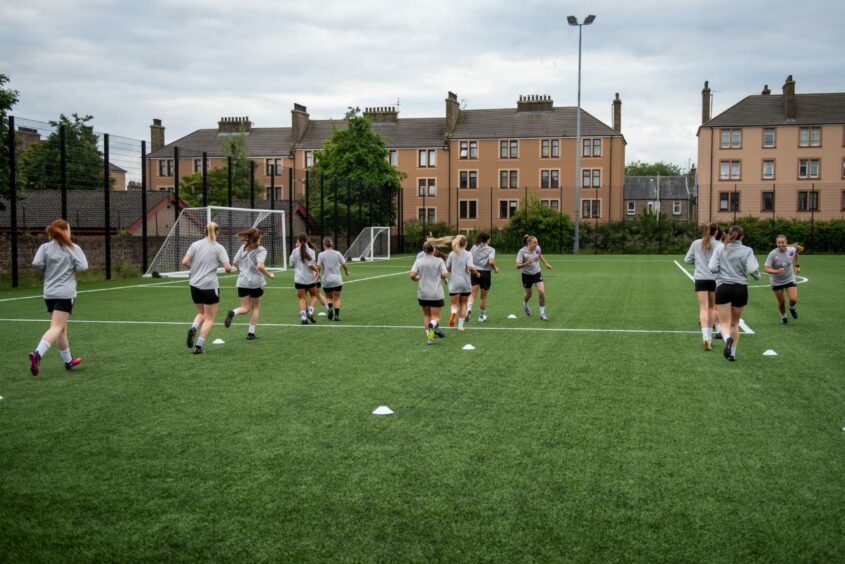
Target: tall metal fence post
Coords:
[(334, 184), (144, 226), (290, 209), (322, 209), (107, 203), (307, 201), (204, 179), (252, 184), (348, 213), (63, 168), (735, 201), (815, 204), (229, 181), (13, 199), (176, 210)]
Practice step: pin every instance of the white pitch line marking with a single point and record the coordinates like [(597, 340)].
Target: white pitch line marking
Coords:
[(742, 324), (37, 296)]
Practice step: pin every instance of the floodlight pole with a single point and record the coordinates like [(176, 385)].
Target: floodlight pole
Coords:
[(572, 20)]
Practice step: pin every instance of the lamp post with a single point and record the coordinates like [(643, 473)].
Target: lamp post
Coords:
[(572, 20)]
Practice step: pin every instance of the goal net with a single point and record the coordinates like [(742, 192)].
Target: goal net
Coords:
[(190, 227), (373, 243)]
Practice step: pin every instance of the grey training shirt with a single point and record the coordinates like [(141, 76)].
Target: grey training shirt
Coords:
[(430, 270), (733, 263), (301, 273), (534, 267), (482, 254), (249, 276), (786, 260), (59, 264), (330, 261), (701, 258), (457, 263), (206, 255)]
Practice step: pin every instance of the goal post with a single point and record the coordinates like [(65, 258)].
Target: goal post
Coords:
[(190, 227), (373, 243)]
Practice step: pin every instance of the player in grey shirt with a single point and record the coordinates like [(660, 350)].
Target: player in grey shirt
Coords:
[(429, 271), (528, 262), (459, 263), (782, 265), (250, 262), (60, 259), (203, 258), (699, 254), (306, 275), (484, 259), (330, 262), (732, 263)]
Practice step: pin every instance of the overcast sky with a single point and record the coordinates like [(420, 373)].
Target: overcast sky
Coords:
[(193, 61)]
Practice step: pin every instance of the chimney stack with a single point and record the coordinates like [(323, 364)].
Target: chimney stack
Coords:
[(299, 122), (766, 90), (617, 114), (156, 135), (234, 125), (382, 114), (453, 110), (705, 102), (535, 103), (789, 104)]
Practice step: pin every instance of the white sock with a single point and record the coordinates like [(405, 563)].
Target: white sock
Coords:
[(481, 312), (252, 328), (200, 341), (434, 324), (706, 333), (42, 348), (195, 325), (542, 310), (237, 311), (717, 330), (302, 314), (454, 312), (469, 307), (460, 322), (310, 310), (733, 351), (66, 355)]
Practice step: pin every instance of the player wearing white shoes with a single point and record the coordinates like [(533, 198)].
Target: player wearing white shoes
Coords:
[(203, 258), (250, 262), (699, 254), (429, 271), (732, 263), (459, 263), (782, 265), (528, 261), (330, 262), (59, 259), (484, 259), (306, 275)]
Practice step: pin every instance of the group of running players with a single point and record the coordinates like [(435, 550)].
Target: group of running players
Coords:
[(722, 265)]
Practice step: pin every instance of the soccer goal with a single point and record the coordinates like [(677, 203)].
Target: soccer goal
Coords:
[(373, 243), (190, 227)]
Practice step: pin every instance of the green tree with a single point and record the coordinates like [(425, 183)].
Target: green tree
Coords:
[(8, 98), (661, 168), (553, 229), (354, 159), (40, 166), (236, 147)]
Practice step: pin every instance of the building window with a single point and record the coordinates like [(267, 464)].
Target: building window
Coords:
[(808, 201), (426, 215), (273, 167), (427, 158), (550, 204), (469, 150), (591, 209), (676, 207), (729, 170), (276, 191), (393, 157), (508, 149), (550, 178), (507, 208), (768, 169), (632, 208), (197, 165), (468, 209), (549, 148), (768, 137), (731, 139), (591, 178), (728, 201), (843, 200), (309, 159), (767, 203), (508, 179), (165, 167), (808, 168), (468, 179), (591, 147), (810, 137), (426, 183)]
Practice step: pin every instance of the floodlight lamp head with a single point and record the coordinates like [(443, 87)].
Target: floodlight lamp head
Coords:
[(589, 19), (572, 20)]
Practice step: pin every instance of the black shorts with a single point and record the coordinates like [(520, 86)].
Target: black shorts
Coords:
[(734, 294), (529, 280), (783, 286), (251, 292), (205, 297), (60, 305), (299, 286), (430, 303), (336, 289), (483, 279), (705, 285)]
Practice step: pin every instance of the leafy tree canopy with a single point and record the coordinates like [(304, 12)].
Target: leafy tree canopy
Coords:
[(8, 98), (236, 147), (661, 168)]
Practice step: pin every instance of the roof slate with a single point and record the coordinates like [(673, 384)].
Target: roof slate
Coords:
[(761, 109), (262, 141)]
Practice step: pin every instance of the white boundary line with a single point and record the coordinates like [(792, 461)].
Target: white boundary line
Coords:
[(40, 296), (742, 325), (348, 326)]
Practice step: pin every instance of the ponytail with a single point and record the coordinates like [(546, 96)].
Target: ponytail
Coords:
[(59, 231), (250, 237), (304, 243), (735, 233), (211, 228), (710, 230), (458, 243)]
